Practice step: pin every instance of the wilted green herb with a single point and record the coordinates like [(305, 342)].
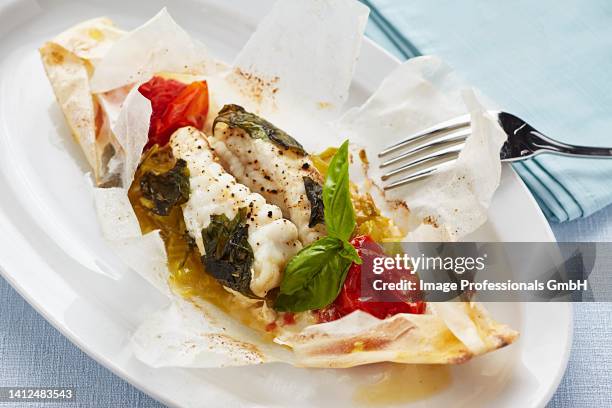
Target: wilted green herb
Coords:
[(314, 192), (161, 192), (235, 116), (228, 254)]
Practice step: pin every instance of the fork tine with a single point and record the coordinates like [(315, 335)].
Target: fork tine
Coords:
[(447, 126), (409, 179), (417, 175), (449, 139), (439, 157)]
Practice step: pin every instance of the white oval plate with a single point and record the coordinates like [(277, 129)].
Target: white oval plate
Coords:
[(51, 250)]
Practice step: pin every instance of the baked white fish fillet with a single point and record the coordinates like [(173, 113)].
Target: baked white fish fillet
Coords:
[(213, 191), (270, 162)]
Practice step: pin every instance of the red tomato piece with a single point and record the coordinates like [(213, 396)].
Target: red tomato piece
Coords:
[(288, 318), (174, 105), (350, 298)]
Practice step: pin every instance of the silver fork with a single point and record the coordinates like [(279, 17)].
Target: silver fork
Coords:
[(423, 153)]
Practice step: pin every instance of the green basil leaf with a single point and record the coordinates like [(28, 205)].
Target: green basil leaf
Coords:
[(314, 277), (321, 289), (338, 208), (349, 252), (307, 263)]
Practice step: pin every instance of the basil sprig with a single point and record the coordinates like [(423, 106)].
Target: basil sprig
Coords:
[(337, 205), (314, 276)]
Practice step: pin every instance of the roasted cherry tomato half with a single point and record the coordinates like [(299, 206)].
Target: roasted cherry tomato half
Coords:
[(350, 297), (174, 106)]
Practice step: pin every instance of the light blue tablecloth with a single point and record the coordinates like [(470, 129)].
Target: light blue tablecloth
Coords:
[(547, 61)]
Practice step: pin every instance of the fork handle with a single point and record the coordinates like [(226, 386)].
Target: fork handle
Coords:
[(542, 144)]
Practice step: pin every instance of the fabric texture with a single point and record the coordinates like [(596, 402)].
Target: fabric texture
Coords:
[(33, 353), (548, 62)]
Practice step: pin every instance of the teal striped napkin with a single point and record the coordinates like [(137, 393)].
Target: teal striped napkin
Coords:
[(548, 62)]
